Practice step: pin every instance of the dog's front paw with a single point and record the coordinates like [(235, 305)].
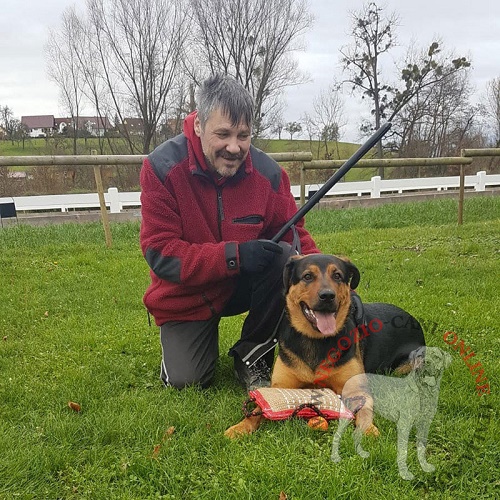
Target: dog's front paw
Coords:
[(246, 426), (236, 431), (372, 431)]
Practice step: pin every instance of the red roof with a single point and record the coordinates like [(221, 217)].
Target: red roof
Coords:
[(40, 121)]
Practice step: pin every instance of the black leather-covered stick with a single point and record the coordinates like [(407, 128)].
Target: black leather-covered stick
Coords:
[(364, 148)]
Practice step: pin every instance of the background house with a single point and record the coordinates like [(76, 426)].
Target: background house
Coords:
[(39, 125), (131, 126), (94, 126)]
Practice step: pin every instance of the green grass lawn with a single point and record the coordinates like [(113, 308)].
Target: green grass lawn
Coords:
[(74, 329), (40, 146)]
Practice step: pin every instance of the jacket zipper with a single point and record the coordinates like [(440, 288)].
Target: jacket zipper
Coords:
[(220, 208), (220, 211)]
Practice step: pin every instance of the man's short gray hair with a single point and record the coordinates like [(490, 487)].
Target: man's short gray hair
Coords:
[(227, 94)]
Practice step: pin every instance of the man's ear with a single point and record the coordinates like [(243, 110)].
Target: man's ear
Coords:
[(197, 126)]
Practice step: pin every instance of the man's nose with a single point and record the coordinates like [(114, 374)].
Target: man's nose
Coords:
[(232, 145)]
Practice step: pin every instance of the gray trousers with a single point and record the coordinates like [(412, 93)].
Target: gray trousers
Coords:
[(190, 348)]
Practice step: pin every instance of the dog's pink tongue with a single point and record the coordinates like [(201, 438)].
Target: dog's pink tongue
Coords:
[(326, 322)]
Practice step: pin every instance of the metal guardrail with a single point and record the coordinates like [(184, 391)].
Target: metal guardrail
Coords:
[(304, 157)]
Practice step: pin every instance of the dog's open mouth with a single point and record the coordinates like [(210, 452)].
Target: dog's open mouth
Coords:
[(323, 321)]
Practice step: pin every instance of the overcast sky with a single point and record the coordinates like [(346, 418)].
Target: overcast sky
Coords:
[(465, 27)]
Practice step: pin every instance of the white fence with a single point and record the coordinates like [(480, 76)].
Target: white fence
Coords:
[(376, 186), (117, 201)]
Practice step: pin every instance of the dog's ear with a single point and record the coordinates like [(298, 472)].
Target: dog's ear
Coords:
[(354, 276), (288, 271)]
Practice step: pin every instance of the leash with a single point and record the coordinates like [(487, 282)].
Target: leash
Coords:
[(313, 200)]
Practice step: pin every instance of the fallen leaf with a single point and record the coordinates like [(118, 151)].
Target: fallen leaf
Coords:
[(156, 451), (5, 337), (74, 406), (46, 314), (283, 496), (168, 432)]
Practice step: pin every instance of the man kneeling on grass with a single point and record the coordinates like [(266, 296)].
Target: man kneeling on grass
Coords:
[(210, 204)]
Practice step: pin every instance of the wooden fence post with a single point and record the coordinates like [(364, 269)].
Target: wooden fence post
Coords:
[(461, 196), (102, 203), (302, 184)]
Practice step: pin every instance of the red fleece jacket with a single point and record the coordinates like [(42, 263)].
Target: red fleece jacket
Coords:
[(191, 225)]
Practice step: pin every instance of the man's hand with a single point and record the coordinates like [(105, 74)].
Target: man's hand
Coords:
[(256, 255)]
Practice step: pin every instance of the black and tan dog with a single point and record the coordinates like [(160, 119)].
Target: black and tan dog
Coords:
[(333, 337)]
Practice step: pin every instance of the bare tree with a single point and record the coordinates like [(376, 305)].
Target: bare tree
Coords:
[(311, 128), (492, 107), (278, 125), (374, 36), (18, 131), (7, 121), (329, 115), (273, 119), (13, 128), (253, 41), (129, 54), (438, 120), (181, 105), (94, 86), (64, 68), (293, 128), (423, 72)]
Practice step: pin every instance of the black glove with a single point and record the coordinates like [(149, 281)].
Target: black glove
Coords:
[(256, 255)]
